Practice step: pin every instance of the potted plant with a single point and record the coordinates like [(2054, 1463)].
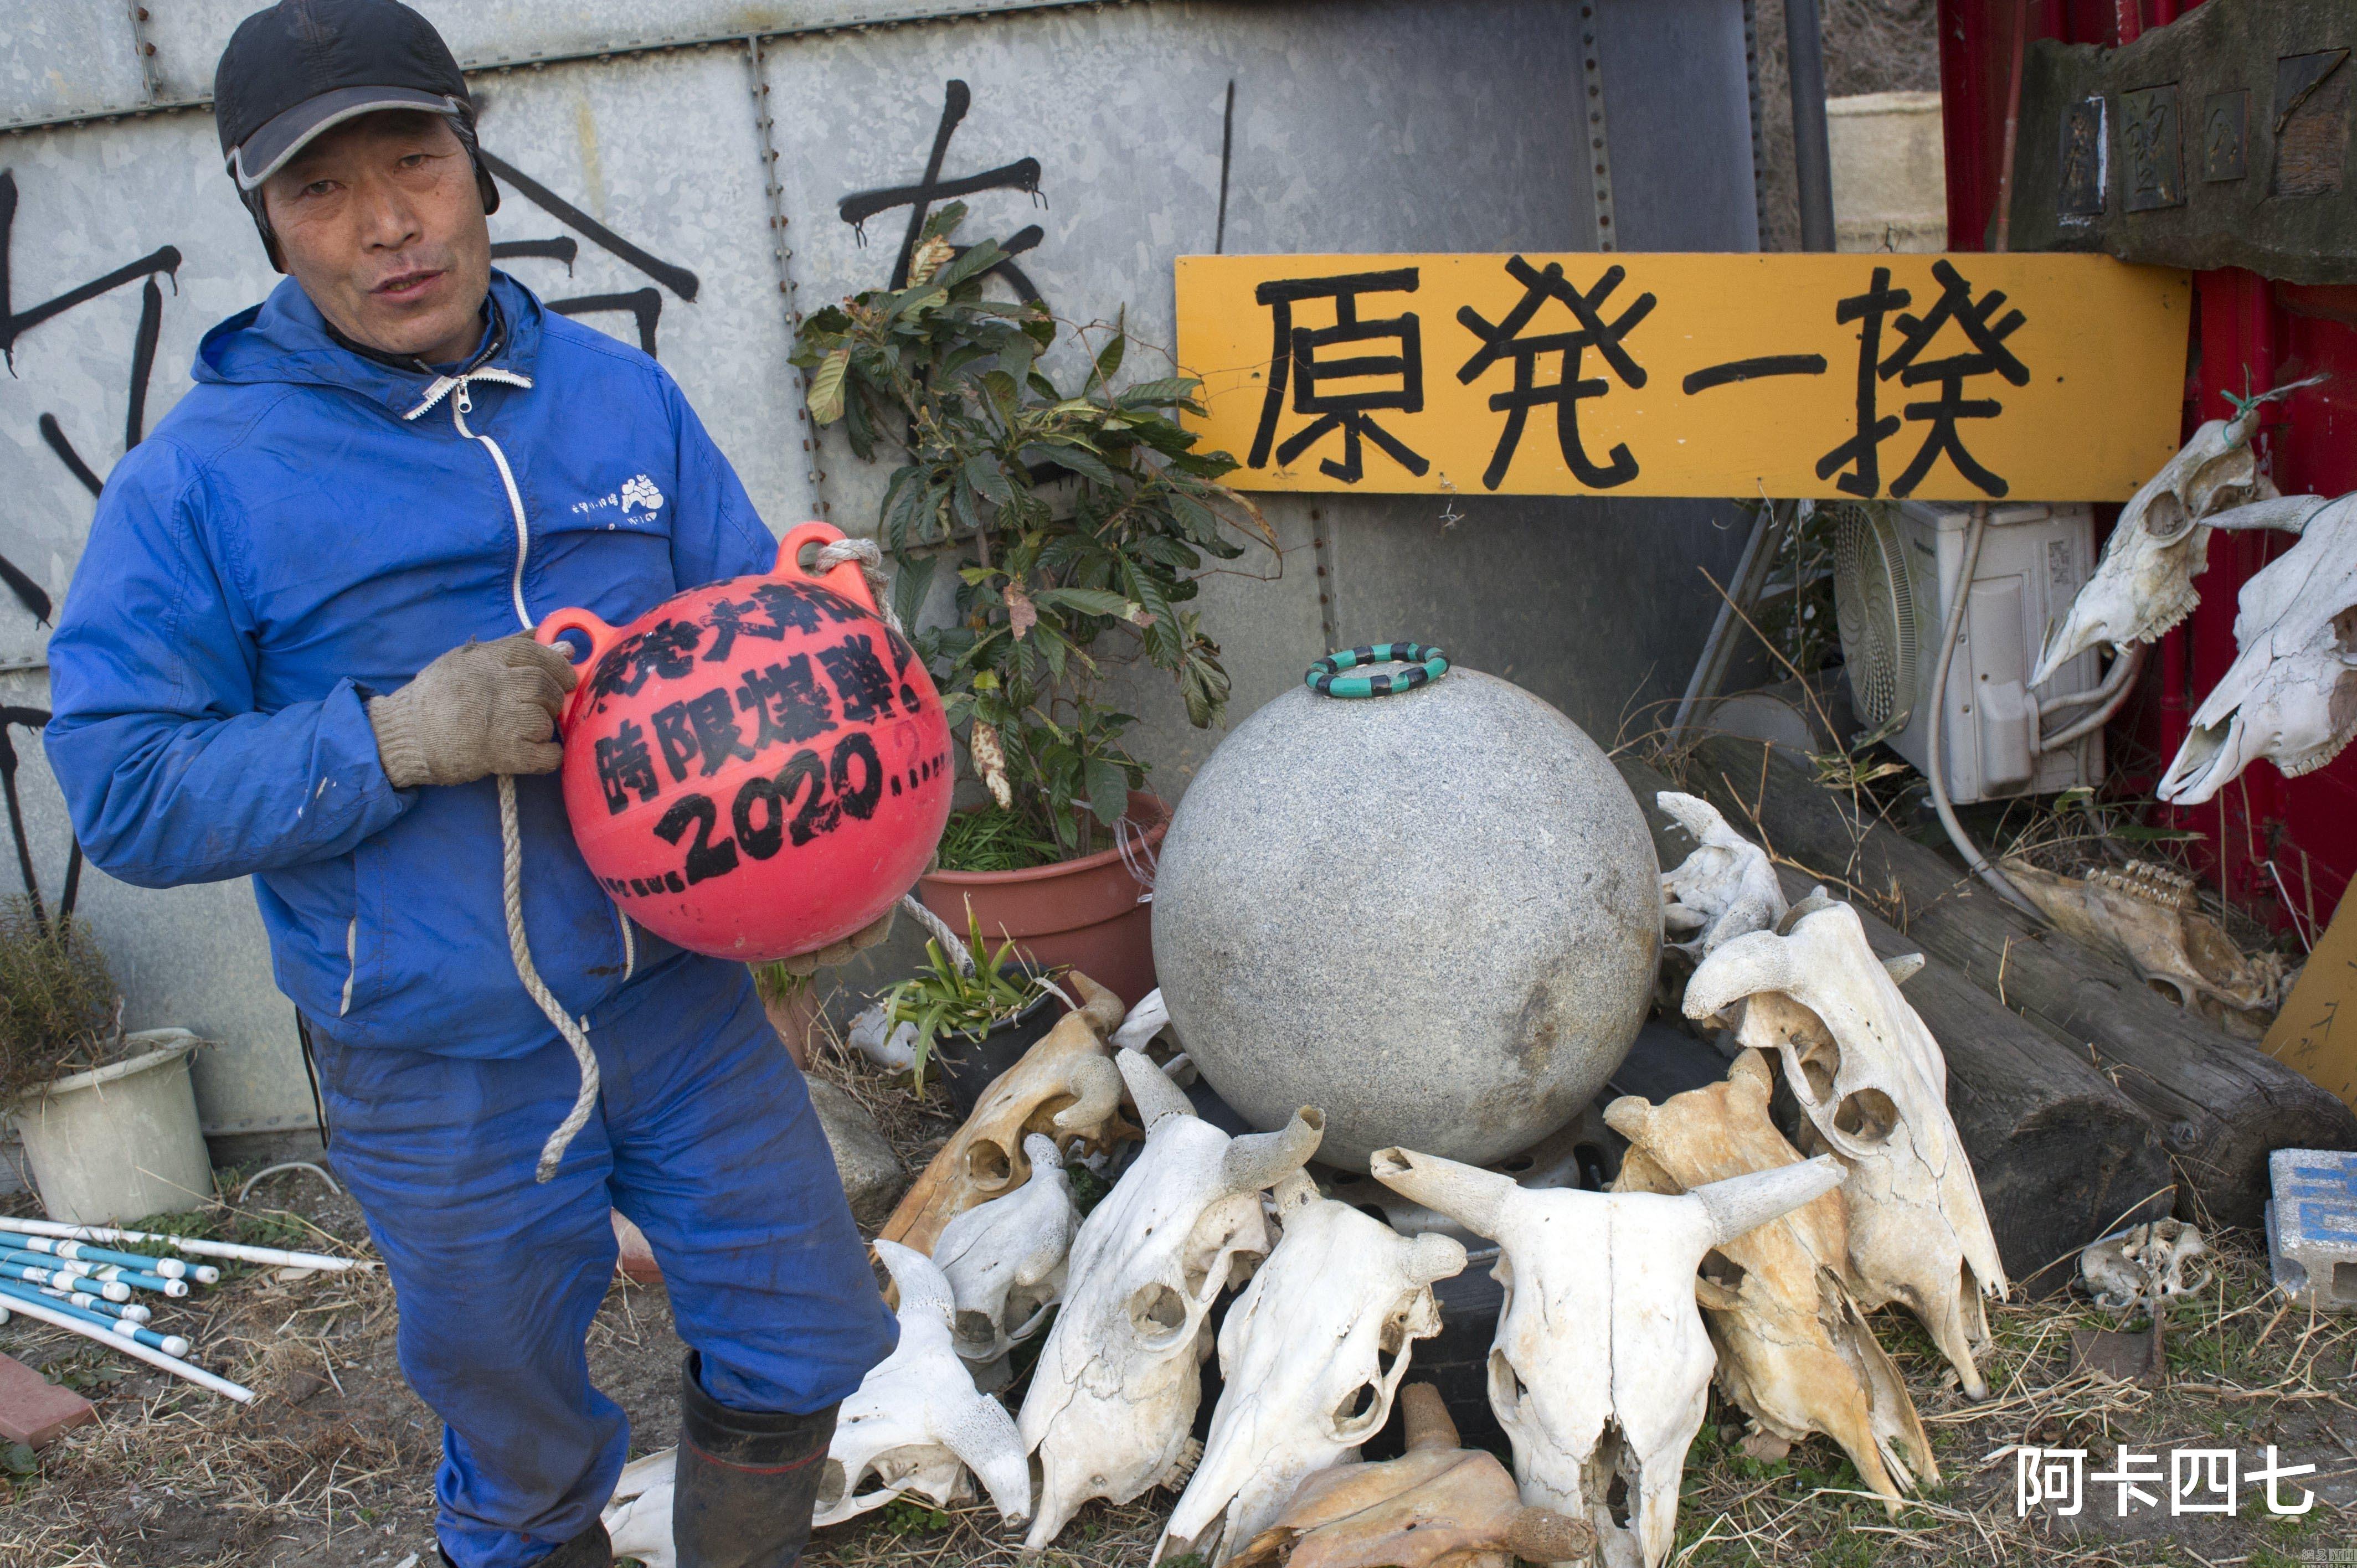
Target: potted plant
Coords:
[(792, 1001), (1074, 520), (977, 1018), (109, 1120)]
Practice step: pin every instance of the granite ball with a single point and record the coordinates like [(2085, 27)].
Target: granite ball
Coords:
[(1434, 915)]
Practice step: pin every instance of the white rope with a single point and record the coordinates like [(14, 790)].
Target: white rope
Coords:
[(871, 568), (1137, 857), (247, 1190), (942, 932), (576, 1035)]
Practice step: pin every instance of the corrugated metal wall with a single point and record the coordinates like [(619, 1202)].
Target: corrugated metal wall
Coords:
[(681, 180)]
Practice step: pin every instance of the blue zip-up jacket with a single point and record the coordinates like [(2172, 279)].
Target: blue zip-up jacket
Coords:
[(303, 531)]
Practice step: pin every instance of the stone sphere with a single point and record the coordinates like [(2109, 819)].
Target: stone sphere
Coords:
[(1435, 916)]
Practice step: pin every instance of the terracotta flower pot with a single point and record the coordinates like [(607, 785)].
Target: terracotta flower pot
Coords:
[(1083, 913), (793, 1016)]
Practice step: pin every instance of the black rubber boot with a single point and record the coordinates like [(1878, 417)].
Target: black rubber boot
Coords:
[(747, 1480), (590, 1549)]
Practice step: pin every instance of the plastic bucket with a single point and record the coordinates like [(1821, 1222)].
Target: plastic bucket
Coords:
[(120, 1141), (1085, 914)]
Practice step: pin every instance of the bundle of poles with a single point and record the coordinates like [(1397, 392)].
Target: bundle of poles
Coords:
[(65, 1275)]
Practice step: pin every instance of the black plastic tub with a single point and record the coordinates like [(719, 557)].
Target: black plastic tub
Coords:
[(970, 1064)]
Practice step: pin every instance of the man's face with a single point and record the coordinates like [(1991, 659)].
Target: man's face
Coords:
[(379, 221)]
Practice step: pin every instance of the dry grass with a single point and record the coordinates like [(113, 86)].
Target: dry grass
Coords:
[(171, 1473), (333, 1464), (2247, 1372)]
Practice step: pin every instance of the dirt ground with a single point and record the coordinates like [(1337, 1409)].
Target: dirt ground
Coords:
[(333, 1462)]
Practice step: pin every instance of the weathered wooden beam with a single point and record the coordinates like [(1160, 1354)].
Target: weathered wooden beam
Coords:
[(2219, 1104), (2061, 1155)]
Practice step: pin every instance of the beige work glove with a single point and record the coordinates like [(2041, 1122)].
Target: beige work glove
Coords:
[(485, 708), (834, 953)]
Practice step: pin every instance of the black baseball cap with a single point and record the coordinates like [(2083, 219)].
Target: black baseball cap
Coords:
[(302, 66)]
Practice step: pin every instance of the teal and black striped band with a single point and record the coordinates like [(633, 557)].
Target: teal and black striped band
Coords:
[(1427, 665)]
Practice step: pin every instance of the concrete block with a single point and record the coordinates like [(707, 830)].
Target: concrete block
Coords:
[(873, 1178), (35, 1411), (2312, 1226)]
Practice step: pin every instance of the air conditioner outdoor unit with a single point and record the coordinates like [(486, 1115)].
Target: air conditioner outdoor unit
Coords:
[(1894, 568)]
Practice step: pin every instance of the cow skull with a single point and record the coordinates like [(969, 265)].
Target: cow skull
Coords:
[(1437, 1506), (2144, 584), (1145, 1020), (1602, 1363), (1309, 1355), (1873, 1084), (2143, 1262), (1725, 888), (1005, 1259), (1065, 1087), (2150, 918), (2291, 694), (915, 1424), (1793, 1347), (1115, 1388)]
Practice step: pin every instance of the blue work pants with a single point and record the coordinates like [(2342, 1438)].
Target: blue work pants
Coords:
[(704, 1135)]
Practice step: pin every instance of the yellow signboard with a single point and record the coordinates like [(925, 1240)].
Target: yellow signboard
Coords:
[(1944, 378)]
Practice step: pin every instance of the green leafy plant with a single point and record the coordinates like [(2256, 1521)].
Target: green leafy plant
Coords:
[(1069, 517), (992, 839), (940, 998), (57, 1000), (778, 985)]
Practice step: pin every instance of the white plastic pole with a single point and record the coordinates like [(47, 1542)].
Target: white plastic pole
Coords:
[(82, 1252), (273, 1256), (131, 1311), (196, 1375), (113, 1289), (105, 1274)]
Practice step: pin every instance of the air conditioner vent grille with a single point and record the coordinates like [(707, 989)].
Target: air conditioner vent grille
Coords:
[(1874, 608)]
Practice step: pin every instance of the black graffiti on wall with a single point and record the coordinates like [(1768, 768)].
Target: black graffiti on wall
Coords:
[(164, 262), (644, 305), (1022, 175), (32, 719)]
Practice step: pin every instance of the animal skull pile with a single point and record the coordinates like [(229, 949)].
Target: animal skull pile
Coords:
[(1874, 1086), (1726, 888), (2143, 1262), (1005, 1259), (1115, 1386), (1065, 1087), (1309, 1357), (2291, 694), (916, 1423), (1793, 1347), (1601, 1364), (1437, 1506)]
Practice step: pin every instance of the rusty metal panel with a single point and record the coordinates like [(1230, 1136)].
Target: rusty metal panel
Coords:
[(68, 56), (633, 194), (189, 34)]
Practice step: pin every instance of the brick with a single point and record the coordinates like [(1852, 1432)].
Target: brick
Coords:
[(35, 1411), (2312, 1226)]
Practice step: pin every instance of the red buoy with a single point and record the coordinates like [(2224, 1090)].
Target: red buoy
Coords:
[(756, 769)]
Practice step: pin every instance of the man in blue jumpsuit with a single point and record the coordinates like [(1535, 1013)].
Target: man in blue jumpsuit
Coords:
[(294, 649)]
